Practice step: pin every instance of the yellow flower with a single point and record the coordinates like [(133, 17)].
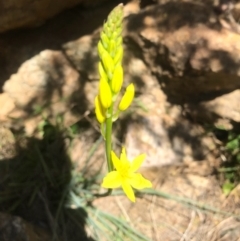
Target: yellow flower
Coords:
[(127, 98), (125, 175)]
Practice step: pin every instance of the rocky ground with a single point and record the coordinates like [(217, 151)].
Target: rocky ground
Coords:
[(186, 71)]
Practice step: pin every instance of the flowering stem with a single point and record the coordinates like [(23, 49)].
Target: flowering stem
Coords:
[(108, 142)]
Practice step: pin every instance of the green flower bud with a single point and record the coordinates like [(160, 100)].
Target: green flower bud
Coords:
[(108, 32), (127, 98), (117, 79), (105, 27), (105, 93), (114, 20), (110, 22), (117, 14), (104, 40)]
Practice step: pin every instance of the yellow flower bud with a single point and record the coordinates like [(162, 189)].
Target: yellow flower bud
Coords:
[(99, 110), (100, 49), (107, 62), (105, 93), (119, 54), (112, 47), (117, 79), (119, 41), (102, 71), (119, 30), (127, 98)]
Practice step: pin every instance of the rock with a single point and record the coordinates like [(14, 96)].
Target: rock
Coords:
[(223, 111), (192, 55), (15, 228), (46, 84), (194, 58), (7, 105), (158, 129), (173, 58), (43, 79), (83, 54), (24, 13), (7, 147)]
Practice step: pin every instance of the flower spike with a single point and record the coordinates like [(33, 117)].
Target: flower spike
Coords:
[(121, 172)]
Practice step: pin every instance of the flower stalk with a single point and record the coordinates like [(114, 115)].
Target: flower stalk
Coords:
[(110, 51), (108, 139)]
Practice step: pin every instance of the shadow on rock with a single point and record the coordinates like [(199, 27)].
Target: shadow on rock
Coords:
[(172, 16), (185, 46), (35, 185), (20, 45)]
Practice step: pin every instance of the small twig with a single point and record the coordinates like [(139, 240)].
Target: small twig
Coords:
[(154, 226), (86, 116), (123, 211), (193, 215)]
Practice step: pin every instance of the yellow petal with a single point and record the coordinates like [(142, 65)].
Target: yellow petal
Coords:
[(137, 181), (137, 162), (116, 161), (123, 156), (124, 161), (128, 191), (127, 98), (112, 180), (105, 93)]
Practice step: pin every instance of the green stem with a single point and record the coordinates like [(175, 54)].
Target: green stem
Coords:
[(108, 141)]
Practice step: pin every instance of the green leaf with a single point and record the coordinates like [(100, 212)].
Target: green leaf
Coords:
[(233, 144), (227, 187)]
